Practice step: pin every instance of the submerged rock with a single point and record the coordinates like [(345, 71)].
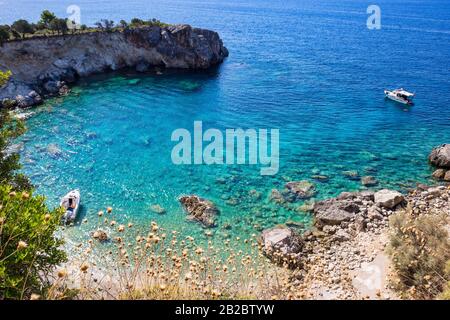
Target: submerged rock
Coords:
[(440, 156), (388, 198), (53, 150), (199, 209), (307, 206), (282, 245), (369, 181), (320, 177), (276, 197), (351, 174), (157, 209), (301, 189), (100, 235)]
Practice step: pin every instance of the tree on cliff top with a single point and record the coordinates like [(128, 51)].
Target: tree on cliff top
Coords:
[(23, 27), (46, 18), (59, 26), (105, 25), (4, 34)]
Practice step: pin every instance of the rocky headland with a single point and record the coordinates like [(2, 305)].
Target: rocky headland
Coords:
[(44, 66)]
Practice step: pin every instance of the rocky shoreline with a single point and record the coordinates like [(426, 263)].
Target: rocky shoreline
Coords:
[(343, 256), (45, 66)]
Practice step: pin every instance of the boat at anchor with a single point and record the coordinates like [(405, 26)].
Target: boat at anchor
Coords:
[(400, 95)]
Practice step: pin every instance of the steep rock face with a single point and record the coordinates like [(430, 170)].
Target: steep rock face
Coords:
[(38, 64)]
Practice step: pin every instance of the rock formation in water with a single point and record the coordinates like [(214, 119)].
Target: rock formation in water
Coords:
[(199, 209), (440, 158), (44, 66)]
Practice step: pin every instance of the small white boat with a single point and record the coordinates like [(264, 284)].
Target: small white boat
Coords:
[(71, 204), (400, 95)]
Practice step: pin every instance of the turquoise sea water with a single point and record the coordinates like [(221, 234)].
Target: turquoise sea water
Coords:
[(312, 70)]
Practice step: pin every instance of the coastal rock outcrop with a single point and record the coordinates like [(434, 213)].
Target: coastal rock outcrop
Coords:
[(41, 66), (282, 245), (199, 209), (440, 156), (334, 211), (388, 198)]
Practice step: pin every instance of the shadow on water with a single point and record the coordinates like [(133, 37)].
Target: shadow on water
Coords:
[(154, 72), (82, 214), (398, 106)]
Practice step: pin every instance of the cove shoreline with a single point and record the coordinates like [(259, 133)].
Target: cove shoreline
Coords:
[(45, 66)]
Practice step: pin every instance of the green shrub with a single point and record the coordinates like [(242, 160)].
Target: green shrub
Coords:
[(4, 36), (4, 76), (46, 18), (28, 247), (420, 249), (23, 27), (9, 162)]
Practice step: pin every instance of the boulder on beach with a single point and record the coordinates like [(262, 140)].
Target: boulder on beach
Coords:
[(440, 156), (388, 198), (199, 209), (447, 176), (301, 189), (282, 245), (334, 211), (439, 174)]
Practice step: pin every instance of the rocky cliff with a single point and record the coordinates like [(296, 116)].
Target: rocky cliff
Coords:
[(43, 66)]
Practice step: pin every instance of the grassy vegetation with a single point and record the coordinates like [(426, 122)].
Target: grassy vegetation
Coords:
[(159, 264), (50, 25), (420, 251)]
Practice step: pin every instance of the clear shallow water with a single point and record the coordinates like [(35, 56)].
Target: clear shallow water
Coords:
[(312, 70)]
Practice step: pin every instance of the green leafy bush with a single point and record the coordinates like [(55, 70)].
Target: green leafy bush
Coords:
[(420, 249), (4, 36), (23, 27), (9, 161), (28, 248), (4, 76)]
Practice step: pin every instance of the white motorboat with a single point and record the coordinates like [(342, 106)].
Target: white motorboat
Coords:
[(400, 95), (71, 204)]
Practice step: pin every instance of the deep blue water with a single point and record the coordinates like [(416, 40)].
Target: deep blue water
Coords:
[(311, 69)]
